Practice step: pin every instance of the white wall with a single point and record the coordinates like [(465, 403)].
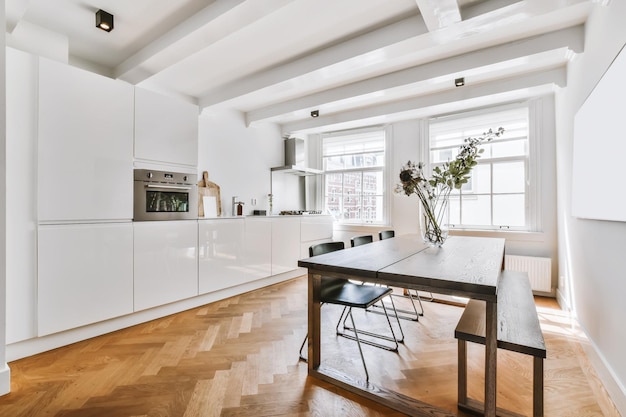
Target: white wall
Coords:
[(591, 259), (239, 158), (5, 380)]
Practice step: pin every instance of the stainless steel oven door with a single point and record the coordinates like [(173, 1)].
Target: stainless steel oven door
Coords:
[(159, 201)]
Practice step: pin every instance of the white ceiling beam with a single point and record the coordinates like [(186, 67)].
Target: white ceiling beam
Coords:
[(14, 11), (438, 14), (557, 76), (485, 7), (216, 21), (318, 64), (572, 38), (370, 43)]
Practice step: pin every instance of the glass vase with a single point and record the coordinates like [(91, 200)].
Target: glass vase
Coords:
[(434, 218)]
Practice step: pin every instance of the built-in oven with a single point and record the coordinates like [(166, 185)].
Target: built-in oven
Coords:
[(162, 195)]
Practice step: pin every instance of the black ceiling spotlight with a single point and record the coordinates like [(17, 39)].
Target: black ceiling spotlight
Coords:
[(459, 82), (104, 20), (315, 113)]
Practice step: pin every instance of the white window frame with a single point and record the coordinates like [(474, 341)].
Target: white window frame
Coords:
[(532, 164), (385, 170)]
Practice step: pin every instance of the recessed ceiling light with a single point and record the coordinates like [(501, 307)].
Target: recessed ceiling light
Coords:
[(315, 113), (104, 20), (459, 82)]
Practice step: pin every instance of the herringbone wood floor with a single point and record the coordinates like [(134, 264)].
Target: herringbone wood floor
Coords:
[(239, 357)]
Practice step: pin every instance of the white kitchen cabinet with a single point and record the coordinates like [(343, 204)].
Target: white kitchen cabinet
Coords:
[(257, 261), (233, 251), (314, 230), (166, 262), (166, 129), (220, 254), (240, 250), (285, 244), (21, 189), (85, 145), (85, 274)]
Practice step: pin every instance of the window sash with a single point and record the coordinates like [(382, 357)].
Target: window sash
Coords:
[(364, 205), (446, 134)]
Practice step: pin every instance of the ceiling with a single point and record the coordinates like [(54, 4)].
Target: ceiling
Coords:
[(357, 62)]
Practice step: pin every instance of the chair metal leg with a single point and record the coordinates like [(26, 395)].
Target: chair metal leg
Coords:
[(401, 340), (419, 300), (302, 358), (406, 314), (431, 298), (355, 337), (358, 342), (387, 314), (348, 312)]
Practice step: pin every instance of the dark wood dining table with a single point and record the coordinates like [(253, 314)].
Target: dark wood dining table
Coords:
[(463, 266)]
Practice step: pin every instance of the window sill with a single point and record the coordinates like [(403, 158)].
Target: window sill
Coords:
[(340, 227), (506, 234)]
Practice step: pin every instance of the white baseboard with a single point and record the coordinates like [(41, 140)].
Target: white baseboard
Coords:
[(37, 345), (605, 373), (563, 301), (5, 379)]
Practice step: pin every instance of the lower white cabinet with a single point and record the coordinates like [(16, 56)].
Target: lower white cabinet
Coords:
[(85, 274), (220, 254), (258, 248), (166, 262), (314, 230), (233, 252), (285, 244), (93, 272)]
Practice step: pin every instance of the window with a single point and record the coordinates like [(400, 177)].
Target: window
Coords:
[(354, 175), (497, 195)]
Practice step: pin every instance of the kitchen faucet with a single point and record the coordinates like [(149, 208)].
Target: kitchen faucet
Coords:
[(237, 209)]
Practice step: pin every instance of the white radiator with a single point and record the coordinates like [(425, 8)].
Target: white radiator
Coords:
[(539, 270)]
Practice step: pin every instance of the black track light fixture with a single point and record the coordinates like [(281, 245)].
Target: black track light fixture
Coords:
[(104, 20), (315, 113), (459, 82)]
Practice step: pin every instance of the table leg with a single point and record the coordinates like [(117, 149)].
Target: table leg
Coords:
[(315, 282), (491, 358), (462, 372)]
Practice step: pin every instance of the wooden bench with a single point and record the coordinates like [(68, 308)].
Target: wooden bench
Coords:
[(518, 331)]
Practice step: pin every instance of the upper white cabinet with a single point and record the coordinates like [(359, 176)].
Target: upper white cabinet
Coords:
[(21, 206), (166, 262), (85, 274), (85, 145), (166, 129)]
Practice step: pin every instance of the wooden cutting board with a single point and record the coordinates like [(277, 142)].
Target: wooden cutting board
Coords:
[(207, 188)]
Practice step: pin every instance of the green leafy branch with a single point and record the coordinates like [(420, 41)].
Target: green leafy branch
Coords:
[(446, 177)]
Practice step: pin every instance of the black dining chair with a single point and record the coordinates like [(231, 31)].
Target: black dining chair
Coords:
[(340, 291), (411, 315), (386, 234), (361, 240)]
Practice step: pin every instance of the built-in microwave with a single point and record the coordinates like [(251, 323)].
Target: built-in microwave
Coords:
[(162, 195)]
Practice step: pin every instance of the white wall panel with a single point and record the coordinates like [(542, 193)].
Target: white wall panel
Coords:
[(166, 129), (85, 144), (21, 207)]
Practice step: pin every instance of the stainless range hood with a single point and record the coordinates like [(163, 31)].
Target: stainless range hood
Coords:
[(295, 159)]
